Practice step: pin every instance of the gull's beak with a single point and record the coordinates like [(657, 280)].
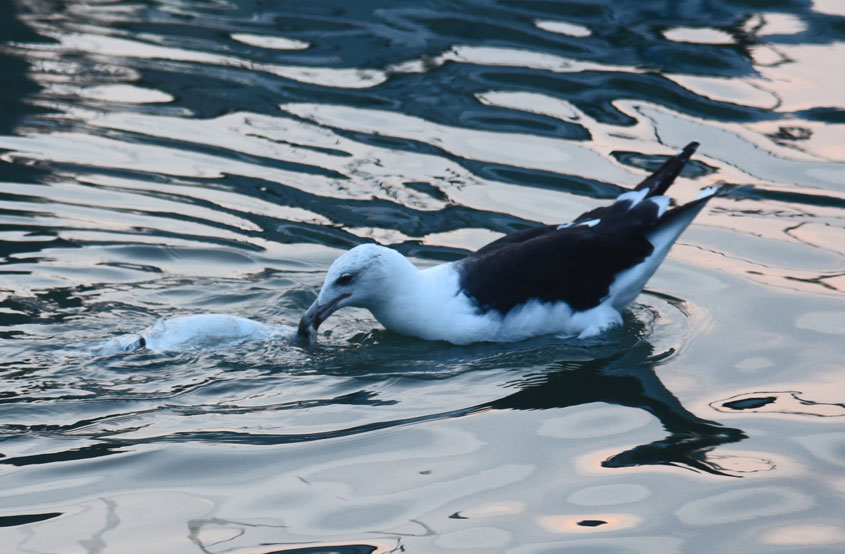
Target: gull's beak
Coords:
[(317, 314)]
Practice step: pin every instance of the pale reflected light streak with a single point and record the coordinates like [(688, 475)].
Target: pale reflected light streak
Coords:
[(272, 42), (563, 28), (808, 534), (698, 35), (110, 47), (498, 56)]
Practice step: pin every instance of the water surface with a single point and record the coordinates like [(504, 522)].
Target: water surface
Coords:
[(161, 158)]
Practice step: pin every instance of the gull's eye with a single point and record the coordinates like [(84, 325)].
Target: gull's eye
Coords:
[(344, 279)]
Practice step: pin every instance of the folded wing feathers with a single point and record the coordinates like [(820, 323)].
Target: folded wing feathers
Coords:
[(578, 261)]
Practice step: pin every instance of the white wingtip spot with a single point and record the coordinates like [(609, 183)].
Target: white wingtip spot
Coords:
[(662, 203), (588, 223), (634, 196)]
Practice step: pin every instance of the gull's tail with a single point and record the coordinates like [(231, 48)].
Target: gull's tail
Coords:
[(658, 182)]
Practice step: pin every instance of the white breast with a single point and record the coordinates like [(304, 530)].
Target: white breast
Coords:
[(434, 308)]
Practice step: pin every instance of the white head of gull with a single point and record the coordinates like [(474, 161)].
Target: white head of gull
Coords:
[(572, 279)]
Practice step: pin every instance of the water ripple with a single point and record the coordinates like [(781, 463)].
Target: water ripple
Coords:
[(163, 158)]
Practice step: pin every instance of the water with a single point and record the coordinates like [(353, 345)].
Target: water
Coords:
[(173, 157)]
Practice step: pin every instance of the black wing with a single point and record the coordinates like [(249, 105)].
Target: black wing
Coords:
[(575, 263)]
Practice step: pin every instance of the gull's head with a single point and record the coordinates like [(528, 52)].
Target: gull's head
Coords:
[(361, 278)]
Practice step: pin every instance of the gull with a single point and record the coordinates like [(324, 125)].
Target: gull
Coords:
[(573, 279)]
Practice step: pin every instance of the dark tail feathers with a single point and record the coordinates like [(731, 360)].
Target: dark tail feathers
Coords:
[(662, 179)]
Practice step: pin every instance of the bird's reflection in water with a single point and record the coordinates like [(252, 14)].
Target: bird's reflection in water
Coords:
[(619, 370), (628, 378)]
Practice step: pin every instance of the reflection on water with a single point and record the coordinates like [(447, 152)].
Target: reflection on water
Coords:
[(625, 378), (163, 158), (628, 378), (787, 402)]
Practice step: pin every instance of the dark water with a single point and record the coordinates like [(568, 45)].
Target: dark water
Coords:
[(170, 157)]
